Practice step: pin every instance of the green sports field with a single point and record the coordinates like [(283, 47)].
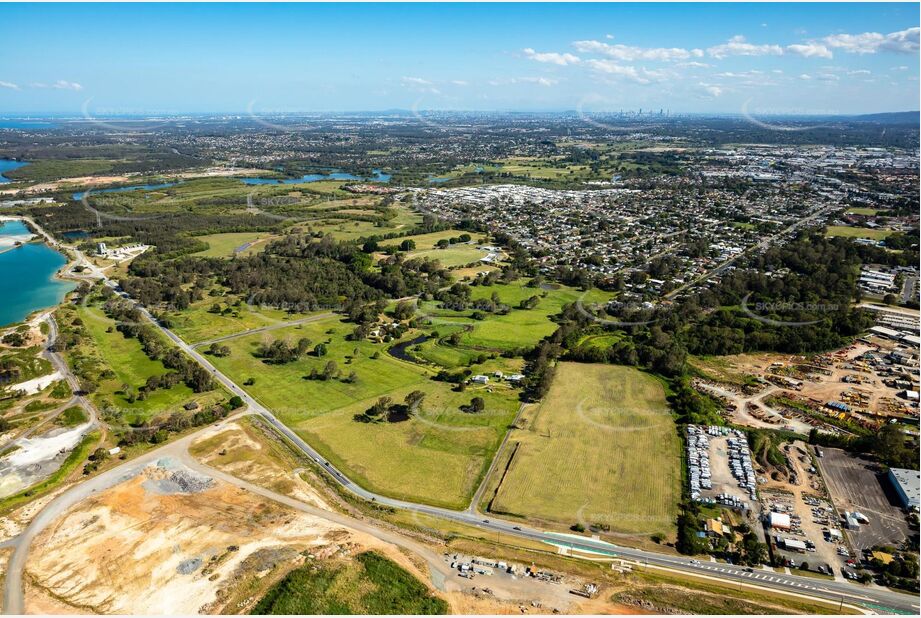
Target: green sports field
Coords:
[(602, 448)]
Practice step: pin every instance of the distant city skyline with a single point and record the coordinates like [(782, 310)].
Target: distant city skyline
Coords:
[(760, 59)]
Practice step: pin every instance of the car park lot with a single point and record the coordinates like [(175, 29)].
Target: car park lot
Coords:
[(856, 486)]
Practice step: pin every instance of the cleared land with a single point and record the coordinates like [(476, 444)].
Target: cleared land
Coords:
[(857, 232), (233, 243), (202, 546), (601, 449), (855, 486)]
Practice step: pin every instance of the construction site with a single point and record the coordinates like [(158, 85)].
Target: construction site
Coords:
[(872, 382)]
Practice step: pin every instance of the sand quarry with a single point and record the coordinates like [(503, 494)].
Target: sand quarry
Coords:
[(171, 541)]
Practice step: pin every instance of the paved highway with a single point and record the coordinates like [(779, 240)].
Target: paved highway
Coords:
[(837, 592)]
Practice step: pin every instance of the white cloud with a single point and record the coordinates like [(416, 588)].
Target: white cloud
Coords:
[(640, 76), (903, 41), (61, 84), (742, 75), (693, 64), (9, 85), (810, 50), (551, 57), (630, 52), (859, 72), (420, 84), (65, 85), (460, 82), (418, 81), (827, 77), (711, 89), (805, 76), (737, 46), (540, 81)]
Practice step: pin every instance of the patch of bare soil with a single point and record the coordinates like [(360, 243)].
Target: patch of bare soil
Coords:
[(166, 544), (245, 452)]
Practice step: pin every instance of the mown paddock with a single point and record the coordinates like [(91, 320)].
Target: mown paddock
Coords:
[(601, 449)]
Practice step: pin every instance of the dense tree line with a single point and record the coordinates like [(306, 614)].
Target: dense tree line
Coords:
[(890, 445), (296, 272)]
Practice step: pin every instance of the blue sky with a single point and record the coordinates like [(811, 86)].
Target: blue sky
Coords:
[(764, 58)]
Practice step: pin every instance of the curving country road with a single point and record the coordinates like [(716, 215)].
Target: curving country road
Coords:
[(837, 592), (880, 599)]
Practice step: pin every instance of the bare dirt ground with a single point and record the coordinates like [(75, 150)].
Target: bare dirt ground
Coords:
[(195, 542), (837, 376), (804, 496), (81, 181), (241, 450)]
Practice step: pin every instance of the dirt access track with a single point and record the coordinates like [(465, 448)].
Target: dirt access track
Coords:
[(103, 545), (166, 534)]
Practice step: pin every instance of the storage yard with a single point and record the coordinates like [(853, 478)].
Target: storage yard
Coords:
[(804, 528), (873, 381), (720, 467)]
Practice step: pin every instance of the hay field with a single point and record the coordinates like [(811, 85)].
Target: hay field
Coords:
[(601, 449)]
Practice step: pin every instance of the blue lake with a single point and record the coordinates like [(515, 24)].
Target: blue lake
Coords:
[(79, 195), (27, 276), (7, 165), (378, 176)]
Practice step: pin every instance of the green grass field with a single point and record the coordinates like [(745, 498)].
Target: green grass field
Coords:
[(197, 323), (130, 366), (862, 211), (857, 232), (601, 448), (523, 327), (437, 456), (458, 254), (226, 245), (497, 333), (455, 255), (428, 241)]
